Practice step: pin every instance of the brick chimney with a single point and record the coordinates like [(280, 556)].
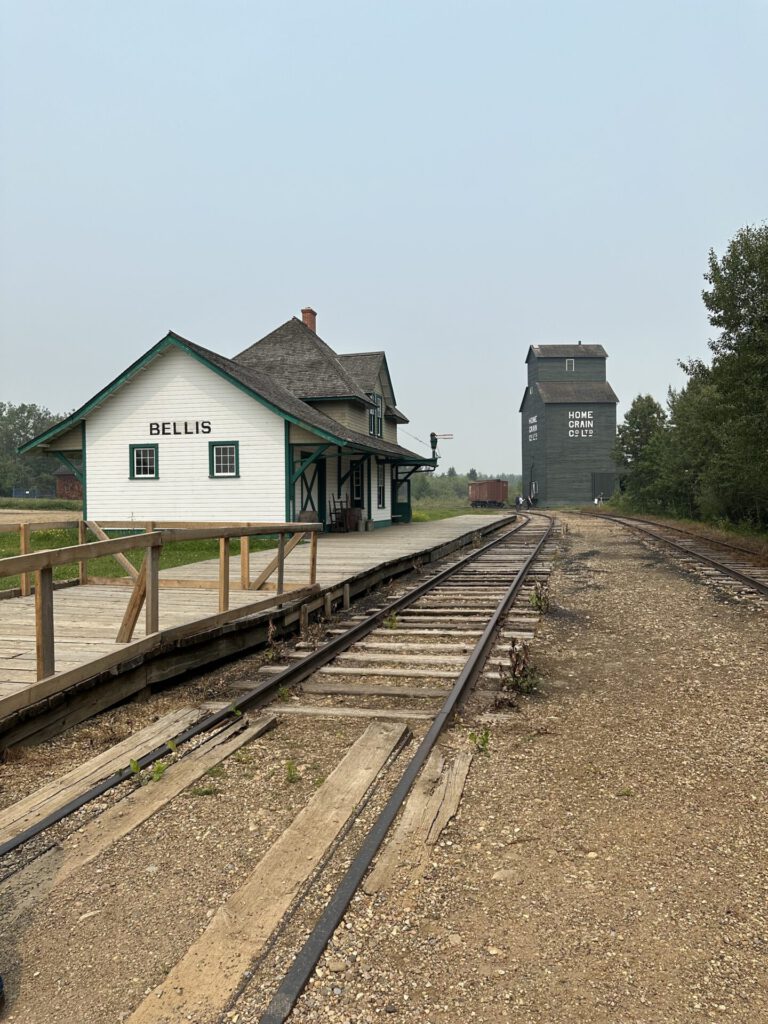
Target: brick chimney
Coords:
[(309, 316)]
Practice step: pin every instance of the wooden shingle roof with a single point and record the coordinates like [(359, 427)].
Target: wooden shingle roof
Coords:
[(259, 385), (301, 362), (559, 392), (365, 367), (567, 352)]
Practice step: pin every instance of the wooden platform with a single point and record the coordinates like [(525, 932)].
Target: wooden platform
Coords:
[(87, 618)]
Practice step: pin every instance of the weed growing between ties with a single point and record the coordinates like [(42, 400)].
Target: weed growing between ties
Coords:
[(291, 771), (153, 773), (539, 599), (283, 694), (518, 677), (391, 621), (481, 740)]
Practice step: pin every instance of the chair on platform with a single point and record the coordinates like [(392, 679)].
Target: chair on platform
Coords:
[(337, 515)]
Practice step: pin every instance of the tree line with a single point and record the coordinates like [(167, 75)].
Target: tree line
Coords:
[(705, 455), (451, 488), (21, 473)]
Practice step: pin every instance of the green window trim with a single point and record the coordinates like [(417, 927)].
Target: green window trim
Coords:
[(212, 446), (133, 449), (375, 415)]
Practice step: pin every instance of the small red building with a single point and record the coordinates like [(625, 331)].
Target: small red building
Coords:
[(67, 484)]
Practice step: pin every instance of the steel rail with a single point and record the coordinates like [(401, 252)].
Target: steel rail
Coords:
[(296, 978), (734, 573), (677, 529), (289, 676)]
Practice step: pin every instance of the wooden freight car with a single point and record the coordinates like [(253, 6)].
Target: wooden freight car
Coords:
[(488, 493)]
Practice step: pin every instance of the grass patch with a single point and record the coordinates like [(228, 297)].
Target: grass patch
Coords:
[(203, 791), (171, 555), (427, 512), (40, 504), (481, 740)]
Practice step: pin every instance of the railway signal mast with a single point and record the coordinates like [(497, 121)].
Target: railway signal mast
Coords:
[(434, 438)]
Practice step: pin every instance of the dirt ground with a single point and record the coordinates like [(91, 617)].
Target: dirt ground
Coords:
[(608, 862), (9, 516)]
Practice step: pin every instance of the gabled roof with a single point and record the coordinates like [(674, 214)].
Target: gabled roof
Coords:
[(393, 413), (577, 392), (301, 362), (259, 386), (364, 367), (567, 352)]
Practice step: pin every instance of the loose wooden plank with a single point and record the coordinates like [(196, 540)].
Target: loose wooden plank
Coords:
[(432, 803), (57, 793), (37, 879), (203, 981)]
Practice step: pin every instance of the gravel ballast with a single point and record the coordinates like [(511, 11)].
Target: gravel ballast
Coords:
[(608, 862)]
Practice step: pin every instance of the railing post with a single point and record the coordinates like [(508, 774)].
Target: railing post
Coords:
[(153, 589), (245, 563), (345, 600), (44, 642), (82, 537), (281, 563), (223, 574), (313, 557), (24, 546)]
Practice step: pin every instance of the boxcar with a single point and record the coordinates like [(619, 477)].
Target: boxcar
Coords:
[(488, 493)]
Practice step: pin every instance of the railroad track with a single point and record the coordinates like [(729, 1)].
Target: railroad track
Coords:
[(729, 565), (409, 663)]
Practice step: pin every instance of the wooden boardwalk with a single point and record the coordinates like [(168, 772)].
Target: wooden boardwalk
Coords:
[(87, 618)]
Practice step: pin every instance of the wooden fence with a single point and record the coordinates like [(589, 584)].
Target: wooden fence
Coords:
[(145, 581)]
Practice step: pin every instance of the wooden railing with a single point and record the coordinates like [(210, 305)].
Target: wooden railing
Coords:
[(146, 581), (25, 531)]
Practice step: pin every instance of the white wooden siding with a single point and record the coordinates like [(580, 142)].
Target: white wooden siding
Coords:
[(175, 387)]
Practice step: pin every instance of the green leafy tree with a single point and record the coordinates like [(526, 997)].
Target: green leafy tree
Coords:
[(472, 474), (736, 484), (451, 471), (639, 444), (19, 423)]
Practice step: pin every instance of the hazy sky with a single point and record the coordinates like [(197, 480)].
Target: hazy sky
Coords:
[(449, 181)]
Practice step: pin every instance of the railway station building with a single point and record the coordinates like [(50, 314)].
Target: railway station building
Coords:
[(286, 430), (568, 425)]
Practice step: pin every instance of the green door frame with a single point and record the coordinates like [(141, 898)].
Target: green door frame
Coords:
[(318, 476)]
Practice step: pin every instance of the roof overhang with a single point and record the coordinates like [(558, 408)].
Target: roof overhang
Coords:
[(171, 340)]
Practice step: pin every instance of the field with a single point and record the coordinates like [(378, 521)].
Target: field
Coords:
[(428, 510), (177, 553)]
